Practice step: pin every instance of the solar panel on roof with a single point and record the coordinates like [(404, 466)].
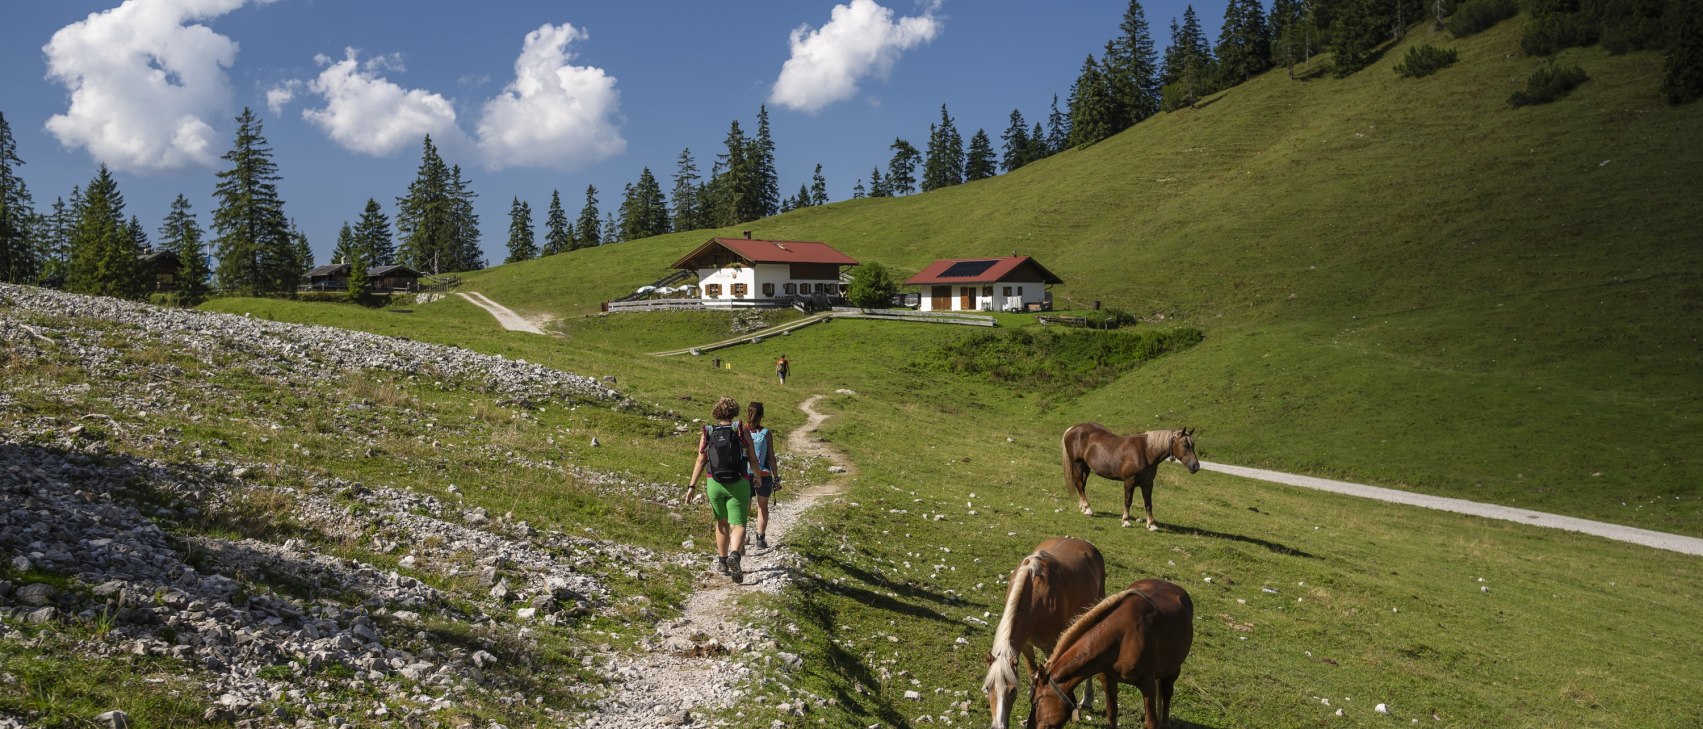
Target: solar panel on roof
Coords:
[(966, 269)]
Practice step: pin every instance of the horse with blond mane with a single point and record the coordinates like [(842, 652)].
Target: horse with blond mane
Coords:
[(1134, 460), (1140, 636), (1049, 588)]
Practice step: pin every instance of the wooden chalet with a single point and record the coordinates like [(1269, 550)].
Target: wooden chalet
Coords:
[(1011, 283), (744, 270), (163, 266)]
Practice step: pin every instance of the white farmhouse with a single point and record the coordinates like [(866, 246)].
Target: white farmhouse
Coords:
[(1012, 283), (746, 272)]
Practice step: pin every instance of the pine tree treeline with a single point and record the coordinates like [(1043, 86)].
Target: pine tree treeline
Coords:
[(438, 227)]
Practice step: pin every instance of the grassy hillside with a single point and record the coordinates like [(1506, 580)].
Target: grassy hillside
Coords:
[(1402, 281)]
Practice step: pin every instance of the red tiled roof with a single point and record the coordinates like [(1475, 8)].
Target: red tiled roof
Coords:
[(771, 251), (998, 269)]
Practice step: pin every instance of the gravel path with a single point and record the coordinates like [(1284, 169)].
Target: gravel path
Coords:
[(505, 316), (1646, 537), (695, 662)]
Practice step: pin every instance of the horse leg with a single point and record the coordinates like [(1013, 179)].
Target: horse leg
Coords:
[(1147, 501), (1149, 703), (1078, 475), (1110, 684), (1087, 705), (1167, 686), (1129, 495)]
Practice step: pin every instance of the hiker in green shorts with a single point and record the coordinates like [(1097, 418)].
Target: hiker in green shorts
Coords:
[(725, 455)]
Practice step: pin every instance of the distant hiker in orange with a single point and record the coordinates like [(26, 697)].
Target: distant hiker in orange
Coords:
[(781, 368)]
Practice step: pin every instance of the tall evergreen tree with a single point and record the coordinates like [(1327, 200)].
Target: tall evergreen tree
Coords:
[(1188, 63), (372, 236), (588, 233), (522, 246), (1091, 115), (1244, 42), (1171, 70), (1016, 141), (1356, 31), (802, 200), (1293, 33), (425, 216), (251, 235), (611, 230), (736, 189), (652, 208), (877, 186), (103, 253), (944, 165), (767, 179), (858, 191), (818, 187), (181, 234), (558, 235), (902, 168), (1132, 69), (1038, 147), (979, 161), (1058, 130), (688, 213), (53, 246), (301, 254), (469, 256), (18, 255), (346, 249)]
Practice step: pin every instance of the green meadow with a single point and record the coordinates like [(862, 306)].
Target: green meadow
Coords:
[(1401, 282)]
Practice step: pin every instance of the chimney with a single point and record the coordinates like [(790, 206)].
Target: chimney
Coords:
[(747, 235)]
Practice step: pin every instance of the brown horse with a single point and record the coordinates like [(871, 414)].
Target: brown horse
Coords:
[(1134, 460), (1049, 588), (1140, 636)]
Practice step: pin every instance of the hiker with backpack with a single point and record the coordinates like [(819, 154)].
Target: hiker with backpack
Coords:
[(766, 482), (725, 456)]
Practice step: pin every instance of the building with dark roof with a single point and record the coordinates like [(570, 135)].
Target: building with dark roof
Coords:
[(163, 265), (741, 269), (1011, 283)]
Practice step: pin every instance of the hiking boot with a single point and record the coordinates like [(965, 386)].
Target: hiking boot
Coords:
[(721, 565), (733, 569), (762, 543)]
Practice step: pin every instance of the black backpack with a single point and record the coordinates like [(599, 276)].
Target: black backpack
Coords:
[(726, 452)]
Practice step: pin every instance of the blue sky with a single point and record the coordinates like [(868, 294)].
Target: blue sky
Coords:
[(526, 96)]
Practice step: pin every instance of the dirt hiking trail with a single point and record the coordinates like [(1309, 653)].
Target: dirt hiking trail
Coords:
[(504, 315), (692, 663)]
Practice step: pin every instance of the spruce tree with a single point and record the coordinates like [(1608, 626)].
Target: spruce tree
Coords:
[(1016, 141), (767, 181), (558, 235), (424, 217), (858, 191), (611, 230), (356, 290), (1171, 71), (53, 250), (372, 236), (979, 161), (735, 187), (1244, 42), (464, 241), (347, 248), (522, 247), (944, 165), (1038, 147), (103, 253), (1292, 33), (1058, 130), (818, 187), (652, 208), (301, 255), (1356, 32), (877, 186), (251, 235), (803, 199), (688, 205), (1198, 63), (1132, 69), (1090, 106), (181, 234), (18, 255), (902, 168), (587, 225)]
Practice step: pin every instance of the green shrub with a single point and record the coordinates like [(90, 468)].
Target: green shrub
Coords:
[(1425, 60), (872, 287), (1548, 84), (1475, 16), (1548, 34)]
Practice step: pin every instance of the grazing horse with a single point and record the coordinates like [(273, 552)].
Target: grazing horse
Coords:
[(1049, 588), (1134, 459), (1139, 636)]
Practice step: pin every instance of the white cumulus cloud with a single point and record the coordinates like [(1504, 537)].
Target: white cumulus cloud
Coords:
[(553, 114), (368, 113), (144, 81), (860, 40), (281, 95)]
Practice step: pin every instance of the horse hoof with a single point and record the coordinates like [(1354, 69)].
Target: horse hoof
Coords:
[(1126, 524), (1152, 527)]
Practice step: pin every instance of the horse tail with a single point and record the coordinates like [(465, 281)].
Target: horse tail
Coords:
[(1071, 478), (1001, 671)]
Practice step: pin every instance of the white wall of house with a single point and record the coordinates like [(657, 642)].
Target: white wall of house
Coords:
[(762, 281), (994, 297)]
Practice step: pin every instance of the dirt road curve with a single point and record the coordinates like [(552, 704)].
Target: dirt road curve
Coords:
[(505, 316), (1659, 540)]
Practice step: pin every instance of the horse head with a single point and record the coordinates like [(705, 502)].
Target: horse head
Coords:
[(1182, 449), (1001, 687), (1050, 705)]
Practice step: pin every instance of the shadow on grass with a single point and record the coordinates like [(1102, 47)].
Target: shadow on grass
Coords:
[(1273, 546), (879, 600), (854, 685)]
